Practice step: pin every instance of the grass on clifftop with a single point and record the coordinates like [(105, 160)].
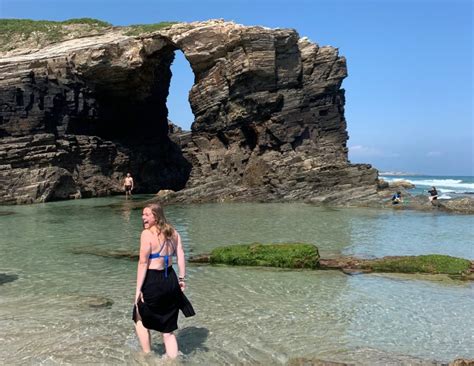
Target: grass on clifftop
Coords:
[(27, 33), (137, 29), (41, 32), (433, 263), (287, 255)]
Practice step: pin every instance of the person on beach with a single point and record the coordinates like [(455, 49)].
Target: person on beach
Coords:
[(128, 185), (397, 198), (159, 293), (433, 195)]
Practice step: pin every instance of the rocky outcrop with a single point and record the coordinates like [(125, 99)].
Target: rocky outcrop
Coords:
[(268, 106), (462, 362), (459, 205), (401, 184)]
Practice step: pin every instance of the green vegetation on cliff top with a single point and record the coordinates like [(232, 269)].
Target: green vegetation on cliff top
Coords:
[(24, 33), (138, 29), (287, 255), (37, 33)]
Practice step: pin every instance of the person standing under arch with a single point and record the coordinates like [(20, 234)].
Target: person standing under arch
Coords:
[(128, 185)]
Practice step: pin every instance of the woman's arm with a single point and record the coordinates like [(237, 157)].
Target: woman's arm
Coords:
[(145, 250), (181, 261)]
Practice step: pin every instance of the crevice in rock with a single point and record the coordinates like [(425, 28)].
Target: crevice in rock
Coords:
[(250, 135), (305, 135)]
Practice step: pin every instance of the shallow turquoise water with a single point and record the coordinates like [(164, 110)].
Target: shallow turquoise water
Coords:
[(245, 315)]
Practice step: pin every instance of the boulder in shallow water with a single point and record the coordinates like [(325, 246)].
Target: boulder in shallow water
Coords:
[(165, 194), (462, 362), (401, 184), (432, 263), (460, 205)]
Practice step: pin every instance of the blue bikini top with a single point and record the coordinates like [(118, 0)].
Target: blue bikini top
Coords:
[(166, 257)]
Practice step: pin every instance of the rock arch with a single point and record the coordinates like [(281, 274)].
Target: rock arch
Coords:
[(268, 106)]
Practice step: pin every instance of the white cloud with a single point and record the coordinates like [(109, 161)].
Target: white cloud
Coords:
[(432, 154), (366, 151)]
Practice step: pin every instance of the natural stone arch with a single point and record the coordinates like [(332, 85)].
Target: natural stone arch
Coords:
[(269, 117)]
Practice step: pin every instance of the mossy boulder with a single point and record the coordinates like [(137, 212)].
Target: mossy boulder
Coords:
[(432, 263), (285, 255)]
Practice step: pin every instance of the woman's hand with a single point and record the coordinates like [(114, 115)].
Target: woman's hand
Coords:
[(139, 297), (182, 285)]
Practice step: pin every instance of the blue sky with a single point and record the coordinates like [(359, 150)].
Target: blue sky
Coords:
[(409, 92)]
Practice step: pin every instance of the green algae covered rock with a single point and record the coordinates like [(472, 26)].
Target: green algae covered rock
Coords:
[(432, 263), (285, 255)]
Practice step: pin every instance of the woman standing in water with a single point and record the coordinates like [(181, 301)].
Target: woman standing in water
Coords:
[(159, 293)]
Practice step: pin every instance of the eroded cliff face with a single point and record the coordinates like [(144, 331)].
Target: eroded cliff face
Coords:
[(268, 106)]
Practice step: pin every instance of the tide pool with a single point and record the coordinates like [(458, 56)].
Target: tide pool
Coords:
[(244, 315)]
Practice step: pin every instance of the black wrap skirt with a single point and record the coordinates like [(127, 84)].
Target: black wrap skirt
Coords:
[(162, 300)]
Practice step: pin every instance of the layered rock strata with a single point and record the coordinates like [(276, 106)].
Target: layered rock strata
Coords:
[(268, 106)]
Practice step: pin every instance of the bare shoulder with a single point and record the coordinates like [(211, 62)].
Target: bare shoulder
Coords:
[(146, 235), (176, 235)]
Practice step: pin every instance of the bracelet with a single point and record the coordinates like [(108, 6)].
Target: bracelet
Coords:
[(181, 279)]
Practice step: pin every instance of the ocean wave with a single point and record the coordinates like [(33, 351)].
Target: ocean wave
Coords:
[(443, 185), (445, 197)]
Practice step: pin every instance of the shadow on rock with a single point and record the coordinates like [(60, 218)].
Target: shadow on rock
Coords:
[(5, 278)]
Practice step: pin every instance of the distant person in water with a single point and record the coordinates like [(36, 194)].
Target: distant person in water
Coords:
[(397, 198), (128, 185), (159, 293), (433, 195)]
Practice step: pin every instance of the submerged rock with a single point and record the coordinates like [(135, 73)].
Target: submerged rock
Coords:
[(6, 278), (96, 302), (306, 361), (87, 301), (109, 253), (6, 213)]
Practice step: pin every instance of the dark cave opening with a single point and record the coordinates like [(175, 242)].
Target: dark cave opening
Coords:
[(130, 110)]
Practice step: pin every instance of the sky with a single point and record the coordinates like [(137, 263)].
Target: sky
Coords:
[(409, 93)]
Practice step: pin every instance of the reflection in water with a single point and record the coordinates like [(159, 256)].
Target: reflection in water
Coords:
[(57, 307)]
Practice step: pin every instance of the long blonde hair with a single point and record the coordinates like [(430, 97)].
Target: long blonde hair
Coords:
[(165, 227)]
